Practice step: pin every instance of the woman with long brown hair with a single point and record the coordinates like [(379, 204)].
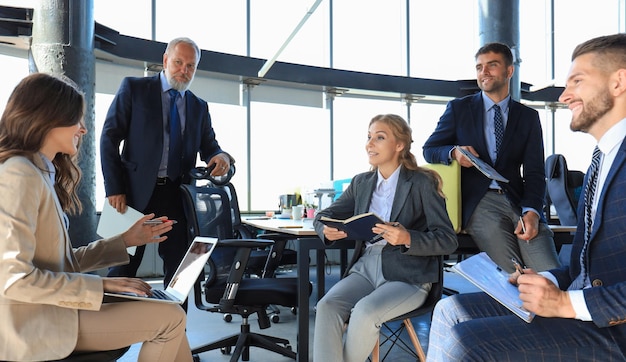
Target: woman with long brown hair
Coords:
[(48, 306)]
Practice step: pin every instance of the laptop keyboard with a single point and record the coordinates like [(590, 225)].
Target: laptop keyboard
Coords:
[(159, 294)]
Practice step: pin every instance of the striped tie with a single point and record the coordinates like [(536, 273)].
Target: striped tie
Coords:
[(590, 190), (498, 126)]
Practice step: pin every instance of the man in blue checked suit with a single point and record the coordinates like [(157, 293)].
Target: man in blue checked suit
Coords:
[(580, 308)]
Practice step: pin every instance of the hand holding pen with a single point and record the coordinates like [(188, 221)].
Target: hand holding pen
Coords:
[(527, 226), (393, 232)]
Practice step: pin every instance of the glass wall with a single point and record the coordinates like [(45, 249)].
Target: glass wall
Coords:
[(286, 138)]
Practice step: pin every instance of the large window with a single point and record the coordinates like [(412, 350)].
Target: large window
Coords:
[(289, 137)]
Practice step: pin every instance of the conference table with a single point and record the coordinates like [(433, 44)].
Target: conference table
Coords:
[(305, 240)]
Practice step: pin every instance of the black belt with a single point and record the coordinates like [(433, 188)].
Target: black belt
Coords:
[(498, 191), (162, 181)]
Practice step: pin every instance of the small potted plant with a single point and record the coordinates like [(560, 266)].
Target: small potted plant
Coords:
[(310, 210)]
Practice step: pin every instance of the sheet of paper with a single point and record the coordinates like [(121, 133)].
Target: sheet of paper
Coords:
[(113, 223)]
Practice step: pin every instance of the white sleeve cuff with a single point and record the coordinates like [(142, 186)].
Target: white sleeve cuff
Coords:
[(577, 297)]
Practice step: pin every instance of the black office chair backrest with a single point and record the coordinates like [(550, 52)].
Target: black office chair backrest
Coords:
[(208, 214), (563, 188)]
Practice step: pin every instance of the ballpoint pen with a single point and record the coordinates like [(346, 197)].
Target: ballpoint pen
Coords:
[(521, 220), (517, 266)]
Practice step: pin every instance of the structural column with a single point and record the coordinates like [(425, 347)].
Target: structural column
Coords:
[(63, 43), (499, 22)]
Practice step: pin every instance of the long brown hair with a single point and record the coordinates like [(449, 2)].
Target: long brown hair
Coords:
[(402, 132), (39, 103)]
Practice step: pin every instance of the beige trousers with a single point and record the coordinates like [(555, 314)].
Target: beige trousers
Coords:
[(160, 326)]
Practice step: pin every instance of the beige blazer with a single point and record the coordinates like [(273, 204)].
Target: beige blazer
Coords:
[(41, 282)]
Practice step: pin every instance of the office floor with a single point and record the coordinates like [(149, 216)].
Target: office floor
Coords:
[(204, 327)]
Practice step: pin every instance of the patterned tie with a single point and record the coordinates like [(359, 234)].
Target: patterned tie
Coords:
[(498, 126), (590, 190), (175, 151)]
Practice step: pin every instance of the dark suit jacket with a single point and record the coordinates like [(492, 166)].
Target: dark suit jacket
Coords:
[(136, 117), (606, 255), (463, 124), (419, 208)]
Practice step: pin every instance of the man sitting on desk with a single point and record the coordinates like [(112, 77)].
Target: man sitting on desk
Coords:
[(507, 136), (393, 275)]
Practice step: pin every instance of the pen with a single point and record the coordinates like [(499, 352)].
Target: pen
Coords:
[(523, 226), (517, 266), (157, 222), (290, 227)]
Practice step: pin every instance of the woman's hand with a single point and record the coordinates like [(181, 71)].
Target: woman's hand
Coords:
[(126, 285), (141, 234), (394, 233), (333, 234)]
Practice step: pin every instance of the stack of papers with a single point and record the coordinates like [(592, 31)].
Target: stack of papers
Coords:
[(113, 223)]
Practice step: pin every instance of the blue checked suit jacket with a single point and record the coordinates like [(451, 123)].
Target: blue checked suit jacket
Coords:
[(606, 256)]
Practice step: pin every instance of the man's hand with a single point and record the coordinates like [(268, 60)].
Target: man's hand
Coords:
[(540, 296), (118, 202), (462, 160), (222, 164), (531, 223)]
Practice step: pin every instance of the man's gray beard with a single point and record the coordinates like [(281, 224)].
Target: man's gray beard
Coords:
[(179, 86)]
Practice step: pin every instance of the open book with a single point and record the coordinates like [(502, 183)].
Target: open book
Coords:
[(485, 274), (482, 166), (358, 227)]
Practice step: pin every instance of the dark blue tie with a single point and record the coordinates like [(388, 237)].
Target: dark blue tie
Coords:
[(175, 151), (590, 190), (498, 124)]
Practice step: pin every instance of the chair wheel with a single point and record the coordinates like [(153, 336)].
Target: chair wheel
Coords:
[(275, 318), (196, 358), (294, 310), (226, 350), (228, 317), (288, 346)]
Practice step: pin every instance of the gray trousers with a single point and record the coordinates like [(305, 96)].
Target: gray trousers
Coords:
[(367, 300), (492, 225)]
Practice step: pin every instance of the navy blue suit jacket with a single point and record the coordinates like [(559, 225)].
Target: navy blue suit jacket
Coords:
[(419, 208), (606, 254), (136, 117), (462, 124)]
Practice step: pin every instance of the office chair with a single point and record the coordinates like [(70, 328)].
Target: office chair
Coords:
[(394, 336), (262, 262), (224, 289), (563, 188), (100, 356)]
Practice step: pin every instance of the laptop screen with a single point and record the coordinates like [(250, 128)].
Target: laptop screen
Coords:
[(191, 266)]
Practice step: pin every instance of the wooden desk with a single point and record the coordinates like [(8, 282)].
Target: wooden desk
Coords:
[(306, 240)]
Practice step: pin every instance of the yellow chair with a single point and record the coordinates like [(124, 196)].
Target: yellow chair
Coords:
[(451, 176)]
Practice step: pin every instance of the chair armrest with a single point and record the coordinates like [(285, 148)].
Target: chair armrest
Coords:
[(246, 243)]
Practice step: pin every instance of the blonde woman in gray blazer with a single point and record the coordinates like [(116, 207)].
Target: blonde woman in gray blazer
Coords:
[(393, 275), (48, 307)]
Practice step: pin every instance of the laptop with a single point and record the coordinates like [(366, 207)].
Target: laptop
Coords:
[(183, 280)]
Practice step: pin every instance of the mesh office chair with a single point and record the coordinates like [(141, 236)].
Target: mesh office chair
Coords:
[(100, 356), (395, 335), (563, 188), (225, 288)]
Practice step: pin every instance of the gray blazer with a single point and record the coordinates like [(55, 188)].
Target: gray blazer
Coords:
[(419, 208), (41, 284)]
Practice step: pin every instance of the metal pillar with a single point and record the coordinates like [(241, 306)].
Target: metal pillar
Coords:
[(63, 43), (499, 22)]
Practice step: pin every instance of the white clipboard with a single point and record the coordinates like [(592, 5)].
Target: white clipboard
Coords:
[(113, 223)]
